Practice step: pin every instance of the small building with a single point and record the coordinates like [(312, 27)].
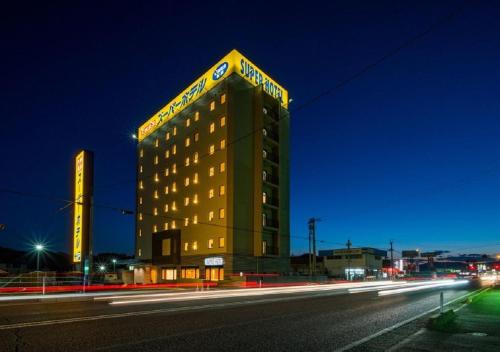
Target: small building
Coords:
[(361, 263), (300, 264)]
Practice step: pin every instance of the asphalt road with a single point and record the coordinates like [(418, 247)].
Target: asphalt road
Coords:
[(288, 322)]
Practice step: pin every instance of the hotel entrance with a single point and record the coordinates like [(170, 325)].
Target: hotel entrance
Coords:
[(214, 273)]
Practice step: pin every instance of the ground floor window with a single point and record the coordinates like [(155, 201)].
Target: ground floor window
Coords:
[(190, 273), (214, 273), (169, 274)]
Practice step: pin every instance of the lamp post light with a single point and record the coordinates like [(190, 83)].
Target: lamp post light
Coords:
[(114, 265), (39, 248), (102, 268)]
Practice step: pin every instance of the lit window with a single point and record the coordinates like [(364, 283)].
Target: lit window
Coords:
[(155, 228), (212, 127), (211, 243), (264, 132), (195, 178), (167, 136), (173, 224), (174, 187), (264, 175), (210, 216), (223, 98), (157, 143), (139, 252), (196, 116), (195, 219), (195, 199), (157, 178), (186, 181), (166, 189), (210, 193), (222, 242), (167, 154), (140, 232), (140, 216), (165, 226), (186, 201), (141, 153), (264, 247), (140, 169), (186, 246), (187, 161), (264, 197), (167, 171), (174, 168), (222, 213), (188, 122), (174, 149), (195, 158), (155, 211), (196, 137), (156, 194), (140, 200), (264, 219), (195, 245), (174, 206), (156, 159), (211, 171), (264, 154), (222, 121), (212, 106), (222, 167), (141, 185), (222, 190), (165, 208), (223, 144), (186, 221), (175, 131), (211, 150), (188, 142)]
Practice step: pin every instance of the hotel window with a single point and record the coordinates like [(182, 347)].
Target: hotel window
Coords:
[(173, 224), (167, 171), (167, 154), (155, 228), (212, 106), (211, 171), (140, 216), (195, 178), (211, 149), (264, 219), (222, 213), (196, 137), (197, 116), (174, 206), (141, 153), (222, 167), (187, 161), (195, 219), (264, 197), (165, 226), (156, 194), (167, 136), (156, 159), (195, 158), (188, 122), (157, 143), (174, 168), (157, 178), (186, 246), (140, 169), (264, 247), (223, 98), (264, 154), (211, 243), (166, 189), (222, 190), (195, 245), (186, 181), (169, 274), (210, 193), (166, 247), (195, 199), (165, 208), (222, 242), (175, 131), (188, 142), (174, 149), (186, 201), (223, 144), (210, 216), (140, 200), (264, 175), (222, 121), (264, 132), (140, 232), (139, 252), (186, 221), (174, 187), (141, 185), (155, 211), (190, 273), (212, 127)]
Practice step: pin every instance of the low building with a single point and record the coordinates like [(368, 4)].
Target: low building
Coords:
[(300, 265), (359, 262)]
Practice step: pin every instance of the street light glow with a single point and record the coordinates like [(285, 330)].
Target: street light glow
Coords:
[(134, 136), (39, 247), (102, 267)]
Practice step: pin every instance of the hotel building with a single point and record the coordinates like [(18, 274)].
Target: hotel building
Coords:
[(213, 178)]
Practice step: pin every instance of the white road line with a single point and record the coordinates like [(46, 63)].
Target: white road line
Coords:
[(395, 326), (405, 341)]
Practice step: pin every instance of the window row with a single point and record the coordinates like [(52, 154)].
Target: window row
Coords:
[(210, 244)]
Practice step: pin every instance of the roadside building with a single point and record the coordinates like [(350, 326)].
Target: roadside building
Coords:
[(300, 265), (213, 178), (359, 262)]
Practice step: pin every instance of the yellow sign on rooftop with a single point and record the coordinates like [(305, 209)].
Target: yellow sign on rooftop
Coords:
[(232, 62)]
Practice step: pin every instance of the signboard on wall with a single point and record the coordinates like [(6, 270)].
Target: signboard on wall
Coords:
[(214, 261)]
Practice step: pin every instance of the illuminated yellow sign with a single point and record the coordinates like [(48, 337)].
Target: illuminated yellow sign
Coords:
[(232, 62), (78, 216)]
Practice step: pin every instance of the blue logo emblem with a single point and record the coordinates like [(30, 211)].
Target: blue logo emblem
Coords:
[(220, 71)]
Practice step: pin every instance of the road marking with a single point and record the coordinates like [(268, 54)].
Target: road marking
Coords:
[(395, 326), (405, 341), (159, 311)]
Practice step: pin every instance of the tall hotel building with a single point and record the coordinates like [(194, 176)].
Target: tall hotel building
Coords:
[(213, 178)]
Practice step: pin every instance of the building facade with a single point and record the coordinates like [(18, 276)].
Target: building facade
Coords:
[(213, 178), (356, 263)]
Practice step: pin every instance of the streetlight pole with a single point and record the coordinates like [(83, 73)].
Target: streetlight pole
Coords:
[(38, 247), (114, 265)]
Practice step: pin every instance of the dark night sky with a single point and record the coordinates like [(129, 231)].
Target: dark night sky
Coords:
[(408, 151)]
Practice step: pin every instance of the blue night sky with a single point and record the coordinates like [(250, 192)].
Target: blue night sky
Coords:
[(407, 151)]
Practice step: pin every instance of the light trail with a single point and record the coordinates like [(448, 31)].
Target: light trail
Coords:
[(426, 286)]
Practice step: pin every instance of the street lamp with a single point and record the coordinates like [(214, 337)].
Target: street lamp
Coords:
[(114, 265), (134, 136), (102, 268), (39, 248)]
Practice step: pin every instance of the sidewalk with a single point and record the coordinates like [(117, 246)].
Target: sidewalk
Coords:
[(476, 328)]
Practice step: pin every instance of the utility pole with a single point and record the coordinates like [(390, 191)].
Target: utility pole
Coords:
[(349, 244), (392, 259), (312, 243)]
